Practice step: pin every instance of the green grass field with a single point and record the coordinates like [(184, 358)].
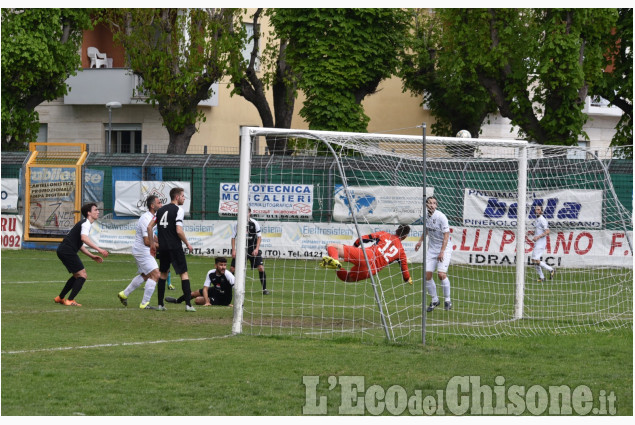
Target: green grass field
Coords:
[(103, 359)]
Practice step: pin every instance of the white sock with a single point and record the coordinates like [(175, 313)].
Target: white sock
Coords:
[(136, 282), (445, 284), (539, 270), (545, 266), (148, 291), (432, 290)]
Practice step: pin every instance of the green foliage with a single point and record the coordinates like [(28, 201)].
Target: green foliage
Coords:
[(448, 83), (341, 55), (40, 50), (616, 84), (537, 64), (179, 54)]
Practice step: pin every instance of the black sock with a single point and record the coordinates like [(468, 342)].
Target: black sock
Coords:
[(187, 293), (67, 287), (263, 280), (77, 286), (160, 291)]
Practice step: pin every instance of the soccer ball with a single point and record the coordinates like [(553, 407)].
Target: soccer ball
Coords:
[(464, 134)]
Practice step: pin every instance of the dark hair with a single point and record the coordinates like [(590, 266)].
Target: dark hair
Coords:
[(150, 200), (174, 192), (431, 197), (87, 207), (220, 260), (402, 230)]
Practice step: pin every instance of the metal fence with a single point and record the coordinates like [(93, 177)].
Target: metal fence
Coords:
[(206, 172)]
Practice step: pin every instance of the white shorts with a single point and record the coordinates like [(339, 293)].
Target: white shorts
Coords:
[(145, 263), (539, 248), (433, 263)]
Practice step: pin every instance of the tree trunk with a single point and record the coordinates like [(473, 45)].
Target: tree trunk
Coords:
[(179, 142)]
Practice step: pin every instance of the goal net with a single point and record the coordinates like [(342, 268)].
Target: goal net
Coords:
[(357, 184)]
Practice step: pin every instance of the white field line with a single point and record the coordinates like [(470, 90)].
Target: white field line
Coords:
[(62, 282), (65, 309), (122, 344)]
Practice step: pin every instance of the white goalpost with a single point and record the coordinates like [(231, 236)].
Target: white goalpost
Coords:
[(354, 184)]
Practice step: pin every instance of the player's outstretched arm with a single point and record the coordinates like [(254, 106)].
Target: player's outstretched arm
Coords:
[(92, 256), (153, 240), (206, 295), (88, 241), (181, 233), (403, 260)]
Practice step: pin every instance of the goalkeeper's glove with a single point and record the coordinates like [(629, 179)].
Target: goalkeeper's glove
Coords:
[(410, 281)]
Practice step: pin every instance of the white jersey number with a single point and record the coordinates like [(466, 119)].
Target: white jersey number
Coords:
[(164, 220), (391, 252)]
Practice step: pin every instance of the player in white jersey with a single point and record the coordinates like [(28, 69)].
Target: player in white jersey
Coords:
[(541, 230), (438, 254), (146, 263)]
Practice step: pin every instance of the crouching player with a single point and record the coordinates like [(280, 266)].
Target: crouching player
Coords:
[(217, 289)]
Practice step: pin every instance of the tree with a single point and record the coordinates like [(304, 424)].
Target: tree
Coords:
[(448, 84), (537, 64), (341, 56), (616, 84), (277, 74), (179, 54), (40, 51)]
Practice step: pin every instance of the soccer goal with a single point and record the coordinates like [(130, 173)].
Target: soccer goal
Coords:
[(355, 184)]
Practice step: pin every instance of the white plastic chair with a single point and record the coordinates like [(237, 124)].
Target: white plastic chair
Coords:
[(97, 59)]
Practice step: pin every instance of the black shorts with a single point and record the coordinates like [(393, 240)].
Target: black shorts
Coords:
[(212, 300), (174, 257), (70, 260), (255, 261)]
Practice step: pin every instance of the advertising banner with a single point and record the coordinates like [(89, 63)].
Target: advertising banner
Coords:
[(380, 204), (476, 246), (130, 196), (562, 208), (93, 185), (12, 231), (10, 195), (117, 236), (269, 200), (52, 199)]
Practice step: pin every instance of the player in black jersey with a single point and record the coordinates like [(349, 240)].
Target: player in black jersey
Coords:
[(254, 254), (67, 252), (217, 289), (169, 221)]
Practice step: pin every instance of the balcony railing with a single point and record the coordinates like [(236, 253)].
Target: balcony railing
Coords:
[(99, 86)]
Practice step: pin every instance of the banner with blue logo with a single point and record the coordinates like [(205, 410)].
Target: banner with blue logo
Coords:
[(380, 204), (569, 209)]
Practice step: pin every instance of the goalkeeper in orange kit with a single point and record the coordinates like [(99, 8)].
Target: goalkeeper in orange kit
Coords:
[(385, 249)]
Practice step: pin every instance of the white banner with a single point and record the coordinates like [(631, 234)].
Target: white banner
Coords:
[(380, 204), (269, 200), (477, 246), (12, 231), (130, 196), (10, 195), (563, 208)]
